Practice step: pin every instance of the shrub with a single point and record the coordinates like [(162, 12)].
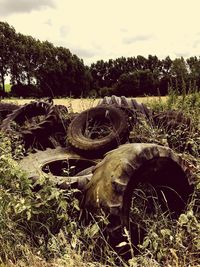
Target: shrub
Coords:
[(23, 90), (105, 91), (28, 218), (45, 225)]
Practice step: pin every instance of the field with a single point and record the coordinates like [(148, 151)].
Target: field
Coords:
[(78, 105), (28, 218)]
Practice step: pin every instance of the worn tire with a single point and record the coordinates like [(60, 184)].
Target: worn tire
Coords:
[(101, 114), (35, 134), (172, 119), (134, 110), (6, 108), (28, 111), (34, 167), (117, 176)]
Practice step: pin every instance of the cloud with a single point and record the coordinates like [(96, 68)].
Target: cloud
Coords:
[(136, 38), (48, 22), (182, 54), (123, 30), (64, 30), (196, 43), (9, 7), (84, 53)]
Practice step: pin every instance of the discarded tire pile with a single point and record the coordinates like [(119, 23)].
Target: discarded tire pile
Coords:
[(92, 151)]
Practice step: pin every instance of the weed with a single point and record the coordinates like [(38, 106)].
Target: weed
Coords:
[(43, 228)]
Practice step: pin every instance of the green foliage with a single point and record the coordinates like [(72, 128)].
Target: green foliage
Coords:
[(128, 84), (40, 66), (188, 103), (28, 217), (173, 242), (22, 90), (48, 223), (55, 71), (105, 91), (154, 74), (7, 88)]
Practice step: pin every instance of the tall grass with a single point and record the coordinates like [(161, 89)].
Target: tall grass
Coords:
[(28, 219)]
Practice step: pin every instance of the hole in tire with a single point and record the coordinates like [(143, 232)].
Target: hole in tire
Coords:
[(158, 190), (68, 168)]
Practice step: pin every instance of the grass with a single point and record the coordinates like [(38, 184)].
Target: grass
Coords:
[(78, 105), (26, 215)]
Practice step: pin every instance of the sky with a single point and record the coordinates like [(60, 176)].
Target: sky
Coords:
[(109, 29)]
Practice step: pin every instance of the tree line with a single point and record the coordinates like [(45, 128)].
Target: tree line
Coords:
[(138, 76), (38, 68)]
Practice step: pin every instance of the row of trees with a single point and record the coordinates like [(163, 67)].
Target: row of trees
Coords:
[(39, 68), (139, 75)]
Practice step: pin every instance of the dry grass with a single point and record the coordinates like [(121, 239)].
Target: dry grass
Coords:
[(78, 105)]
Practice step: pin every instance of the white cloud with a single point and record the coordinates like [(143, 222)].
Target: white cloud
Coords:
[(105, 29), (9, 7), (136, 38)]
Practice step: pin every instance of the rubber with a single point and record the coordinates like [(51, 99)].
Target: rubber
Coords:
[(33, 165), (96, 147), (28, 111), (172, 119), (117, 176), (134, 110), (6, 108)]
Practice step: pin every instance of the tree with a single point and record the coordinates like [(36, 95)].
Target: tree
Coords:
[(27, 59), (166, 65), (7, 35), (194, 71), (141, 63), (148, 83), (98, 71), (128, 84), (61, 73), (179, 73)]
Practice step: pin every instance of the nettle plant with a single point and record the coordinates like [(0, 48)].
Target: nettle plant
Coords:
[(29, 215)]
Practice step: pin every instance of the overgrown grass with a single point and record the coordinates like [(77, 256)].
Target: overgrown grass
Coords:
[(43, 228)]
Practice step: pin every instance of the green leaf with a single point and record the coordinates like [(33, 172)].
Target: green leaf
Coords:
[(165, 232), (94, 230), (145, 243), (183, 219)]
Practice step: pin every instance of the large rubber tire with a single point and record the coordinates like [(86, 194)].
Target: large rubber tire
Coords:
[(29, 111), (172, 119), (134, 110), (5, 109), (35, 134), (102, 114), (54, 160), (117, 176), (129, 103)]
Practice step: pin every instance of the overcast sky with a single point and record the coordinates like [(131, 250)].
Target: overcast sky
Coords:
[(103, 29)]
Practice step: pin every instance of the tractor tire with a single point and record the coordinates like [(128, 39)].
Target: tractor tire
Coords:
[(134, 110), (111, 130), (54, 162), (172, 119), (121, 171), (35, 131), (5, 109), (29, 111)]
